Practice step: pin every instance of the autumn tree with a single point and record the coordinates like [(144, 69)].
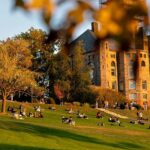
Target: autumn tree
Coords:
[(40, 50), (15, 75), (103, 94), (80, 79)]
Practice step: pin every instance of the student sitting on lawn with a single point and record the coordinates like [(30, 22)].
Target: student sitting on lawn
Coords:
[(82, 115), (31, 114), (139, 115), (114, 119), (99, 115), (71, 111), (68, 120)]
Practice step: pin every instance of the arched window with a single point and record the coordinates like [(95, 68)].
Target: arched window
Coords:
[(143, 64), (113, 64), (113, 68)]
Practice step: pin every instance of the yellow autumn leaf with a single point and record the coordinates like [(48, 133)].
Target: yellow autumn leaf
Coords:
[(46, 5), (114, 28), (132, 26)]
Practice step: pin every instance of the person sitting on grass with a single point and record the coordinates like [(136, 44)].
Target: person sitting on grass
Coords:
[(68, 120), (31, 114), (11, 109), (114, 119), (71, 121), (40, 115), (23, 113), (17, 116), (71, 111), (139, 115), (52, 108), (99, 115), (82, 115)]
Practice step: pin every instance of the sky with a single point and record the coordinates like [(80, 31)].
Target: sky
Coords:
[(13, 22)]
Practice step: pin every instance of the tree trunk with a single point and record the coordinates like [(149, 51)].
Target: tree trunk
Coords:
[(4, 104)]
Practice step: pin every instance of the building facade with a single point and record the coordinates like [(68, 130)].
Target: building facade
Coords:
[(127, 72)]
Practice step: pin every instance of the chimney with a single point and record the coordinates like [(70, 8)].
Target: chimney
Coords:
[(95, 27)]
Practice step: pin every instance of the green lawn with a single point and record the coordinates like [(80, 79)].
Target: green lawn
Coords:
[(49, 133)]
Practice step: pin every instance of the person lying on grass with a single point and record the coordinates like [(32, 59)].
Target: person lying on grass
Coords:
[(82, 115), (68, 120)]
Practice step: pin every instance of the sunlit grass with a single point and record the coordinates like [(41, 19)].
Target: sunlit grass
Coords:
[(49, 133)]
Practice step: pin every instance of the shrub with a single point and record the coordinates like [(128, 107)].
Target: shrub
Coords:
[(122, 106), (109, 95), (85, 96), (76, 103), (137, 106)]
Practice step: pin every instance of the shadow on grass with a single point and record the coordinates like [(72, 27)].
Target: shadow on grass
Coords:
[(18, 147), (63, 134)]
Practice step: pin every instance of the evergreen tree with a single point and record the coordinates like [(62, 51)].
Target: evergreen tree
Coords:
[(80, 79), (60, 74)]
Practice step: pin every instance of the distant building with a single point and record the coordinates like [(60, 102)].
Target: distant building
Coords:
[(124, 71)]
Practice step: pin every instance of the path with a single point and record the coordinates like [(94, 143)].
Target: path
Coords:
[(112, 113)]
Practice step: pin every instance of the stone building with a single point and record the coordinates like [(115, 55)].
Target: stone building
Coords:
[(124, 71)]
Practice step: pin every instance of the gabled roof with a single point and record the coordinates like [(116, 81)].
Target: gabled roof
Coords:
[(88, 38)]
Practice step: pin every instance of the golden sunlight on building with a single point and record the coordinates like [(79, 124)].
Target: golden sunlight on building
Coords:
[(125, 71)]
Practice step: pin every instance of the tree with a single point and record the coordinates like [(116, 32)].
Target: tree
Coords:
[(60, 74), (15, 75), (80, 78), (40, 50), (109, 95), (68, 74)]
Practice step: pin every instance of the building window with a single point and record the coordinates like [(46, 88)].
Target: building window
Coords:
[(92, 74), (131, 71), (106, 45), (113, 72), (113, 56), (144, 96), (128, 55), (144, 55), (114, 85), (134, 56), (143, 64), (113, 68), (132, 85), (131, 63), (113, 64), (132, 96), (140, 55), (121, 86), (144, 85)]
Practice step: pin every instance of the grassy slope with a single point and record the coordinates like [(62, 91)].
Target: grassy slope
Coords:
[(50, 134)]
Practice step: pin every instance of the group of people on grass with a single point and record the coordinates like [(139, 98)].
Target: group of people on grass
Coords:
[(21, 113)]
